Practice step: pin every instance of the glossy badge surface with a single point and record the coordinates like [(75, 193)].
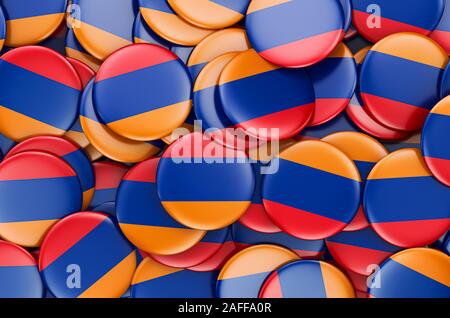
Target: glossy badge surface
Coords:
[(404, 203), (295, 33)]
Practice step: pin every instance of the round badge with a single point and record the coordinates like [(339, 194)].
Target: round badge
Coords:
[(245, 237), (266, 101), (105, 140), (404, 203), (256, 218), (95, 260), (414, 273), (36, 190), (67, 151), (211, 14), (96, 31), (441, 33), (143, 34), (76, 51), (361, 117), (376, 19), (365, 152), (445, 82), (156, 88), (216, 262), (75, 133), (295, 33), (244, 274), (31, 22), (318, 171), (108, 176), (107, 207), (155, 280), (220, 187), (340, 123), (2, 29), (215, 45), (19, 273), (334, 81), (209, 245), (164, 21), (307, 279), (399, 86), (347, 8), (142, 218), (435, 149), (360, 251), (39, 93)]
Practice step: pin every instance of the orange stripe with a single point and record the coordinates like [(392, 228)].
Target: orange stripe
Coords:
[(150, 269), (361, 54), (341, 51), (77, 137), (209, 76), (257, 5), (27, 234), (322, 156), (115, 282), (87, 197), (443, 107), (336, 283)]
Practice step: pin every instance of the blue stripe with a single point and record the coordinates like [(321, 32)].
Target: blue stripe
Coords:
[(20, 282), (364, 168), (76, 126), (6, 144), (15, 9), (235, 5), (366, 238), (208, 108), (205, 181), (400, 80), (406, 199), (421, 13), (216, 236), (433, 143), (182, 284), (183, 52), (241, 287), (311, 188), (138, 203), (109, 96), (103, 196), (347, 9), (39, 199), (244, 235), (37, 96), (341, 123), (108, 207), (444, 24), (272, 91), (195, 69), (334, 77), (257, 194), (305, 19), (445, 82), (399, 281), (87, 108), (142, 31), (96, 254), (308, 282), (82, 167), (160, 5), (72, 42), (393, 146), (100, 13)]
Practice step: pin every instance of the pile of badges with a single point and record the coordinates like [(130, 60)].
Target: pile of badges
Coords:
[(225, 148)]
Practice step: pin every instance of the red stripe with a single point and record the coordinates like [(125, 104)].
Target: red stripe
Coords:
[(308, 254), (34, 165), (133, 58), (309, 51), (358, 281), (366, 123), (356, 258), (51, 144), (388, 27), (272, 290), (14, 255), (61, 238), (326, 109), (283, 120), (359, 222), (395, 115), (108, 174), (143, 172), (256, 218), (193, 256), (440, 168), (84, 72), (443, 38), (412, 233), (215, 262), (300, 223), (45, 62)]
